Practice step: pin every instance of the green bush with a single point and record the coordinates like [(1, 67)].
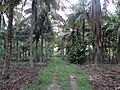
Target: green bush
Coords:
[(75, 58)]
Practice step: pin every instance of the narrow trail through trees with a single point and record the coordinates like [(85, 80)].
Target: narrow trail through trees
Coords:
[(73, 82), (54, 85), (62, 75)]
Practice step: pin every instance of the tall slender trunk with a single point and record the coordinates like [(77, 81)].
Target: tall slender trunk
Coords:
[(118, 48), (17, 49), (83, 27), (42, 22), (4, 48), (95, 16), (0, 20), (62, 49), (23, 53), (96, 50), (109, 54), (42, 39), (31, 31), (37, 51), (102, 46), (0, 16), (8, 51)]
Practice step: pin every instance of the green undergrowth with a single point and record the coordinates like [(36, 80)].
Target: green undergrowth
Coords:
[(59, 71)]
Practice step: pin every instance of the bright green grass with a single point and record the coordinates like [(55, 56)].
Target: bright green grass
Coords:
[(60, 70)]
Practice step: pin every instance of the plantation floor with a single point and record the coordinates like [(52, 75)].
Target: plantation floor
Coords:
[(20, 74), (103, 77), (60, 75)]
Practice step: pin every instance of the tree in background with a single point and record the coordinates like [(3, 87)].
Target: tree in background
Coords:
[(33, 22), (95, 20), (8, 50)]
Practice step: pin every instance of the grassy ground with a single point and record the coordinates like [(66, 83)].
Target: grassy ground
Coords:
[(59, 71)]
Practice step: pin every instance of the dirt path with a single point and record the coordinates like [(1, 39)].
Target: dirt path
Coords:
[(62, 74), (73, 82), (54, 85)]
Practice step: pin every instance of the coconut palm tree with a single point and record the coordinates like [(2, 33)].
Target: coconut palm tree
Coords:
[(95, 17), (8, 51), (32, 28)]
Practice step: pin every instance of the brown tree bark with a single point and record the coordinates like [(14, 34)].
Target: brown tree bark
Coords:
[(42, 38), (32, 29), (42, 20), (0, 20), (0, 16), (95, 16), (118, 48), (83, 27), (8, 51)]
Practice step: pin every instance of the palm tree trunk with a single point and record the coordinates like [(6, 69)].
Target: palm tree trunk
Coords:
[(31, 32), (96, 50), (118, 48), (37, 51), (17, 49), (0, 17), (118, 52), (0, 20), (42, 20), (95, 16), (42, 39), (109, 54), (8, 51), (83, 27)]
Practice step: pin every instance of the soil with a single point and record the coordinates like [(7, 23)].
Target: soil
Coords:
[(73, 82), (53, 86), (104, 77), (20, 75)]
